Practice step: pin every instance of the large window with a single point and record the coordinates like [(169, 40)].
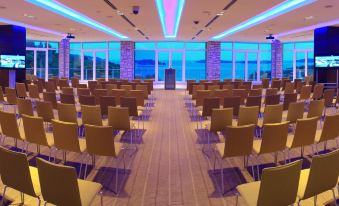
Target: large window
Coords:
[(298, 60), (245, 61), (42, 58), (92, 60), (188, 59)]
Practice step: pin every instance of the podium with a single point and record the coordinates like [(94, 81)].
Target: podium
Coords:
[(169, 79)]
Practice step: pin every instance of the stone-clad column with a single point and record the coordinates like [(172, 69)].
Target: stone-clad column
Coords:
[(64, 58), (127, 60), (277, 53), (213, 60)]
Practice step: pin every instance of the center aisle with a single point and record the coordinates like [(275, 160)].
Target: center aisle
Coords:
[(169, 167)]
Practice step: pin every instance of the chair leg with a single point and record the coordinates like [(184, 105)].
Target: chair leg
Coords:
[(116, 178), (3, 195), (334, 197), (236, 199), (222, 177), (315, 200), (101, 193)]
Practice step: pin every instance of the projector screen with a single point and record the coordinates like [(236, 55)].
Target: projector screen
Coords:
[(327, 61), (12, 61)]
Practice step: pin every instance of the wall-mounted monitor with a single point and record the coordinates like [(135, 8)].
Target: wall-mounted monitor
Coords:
[(327, 61), (12, 61)]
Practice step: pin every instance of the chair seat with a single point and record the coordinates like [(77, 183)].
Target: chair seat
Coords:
[(257, 146), (82, 144), (88, 190), (220, 148), (50, 139), (35, 180), (250, 192), (303, 182)]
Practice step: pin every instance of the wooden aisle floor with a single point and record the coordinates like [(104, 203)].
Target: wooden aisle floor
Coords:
[(169, 167)]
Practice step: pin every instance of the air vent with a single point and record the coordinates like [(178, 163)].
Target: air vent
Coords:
[(227, 7), (125, 18)]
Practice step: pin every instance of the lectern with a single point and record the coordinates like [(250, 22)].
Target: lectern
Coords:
[(170, 79)]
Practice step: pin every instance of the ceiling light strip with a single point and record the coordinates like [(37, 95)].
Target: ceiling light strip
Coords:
[(284, 7), (36, 28), (308, 28), (67, 12), (170, 12)]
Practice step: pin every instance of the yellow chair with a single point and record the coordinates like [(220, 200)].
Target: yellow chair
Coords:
[(99, 93), (67, 113), (248, 115), (10, 128), (37, 135), (64, 188), (316, 108), (18, 175), (67, 90), (274, 139), (278, 187), (11, 98), (99, 141), (295, 111), (83, 91), (305, 93), (50, 97), (321, 177), (318, 91), (272, 114), (66, 139), (91, 115), (21, 90), (45, 110), (304, 134), (330, 130), (67, 98), (25, 107), (33, 92), (238, 143)]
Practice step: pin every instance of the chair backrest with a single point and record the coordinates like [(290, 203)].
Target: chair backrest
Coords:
[(318, 91), (50, 97), (67, 113), (63, 188), (15, 171), (276, 84), (330, 128), (92, 86), (271, 91), (139, 95), (273, 114), (328, 97), (66, 136), (98, 93), (305, 92), (253, 101), (316, 108), (196, 88), (265, 83), (239, 140), (75, 82), (295, 111), (145, 88), (305, 132), (67, 98), (105, 102), (242, 93), (323, 174), (289, 88), (274, 137), (63, 83), (36, 135), (11, 95), (50, 86), (109, 87), (279, 185), (227, 87), (213, 87), (21, 90), (87, 100), (221, 94), (273, 99), (25, 107), (232, 102), (33, 91), (2, 96), (289, 98), (126, 87), (118, 93), (210, 104), (91, 115), (255, 92), (257, 86), (220, 119), (118, 118), (131, 104), (201, 95), (99, 140), (248, 115), (9, 125), (67, 90), (45, 110), (83, 91)]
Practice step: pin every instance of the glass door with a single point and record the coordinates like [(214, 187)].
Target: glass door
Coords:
[(30, 62), (300, 63), (41, 63), (88, 65), (100, 64), (170, 59), (240, 63), (95, 64)]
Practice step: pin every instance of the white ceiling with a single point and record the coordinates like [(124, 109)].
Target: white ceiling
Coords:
[(148, 21)]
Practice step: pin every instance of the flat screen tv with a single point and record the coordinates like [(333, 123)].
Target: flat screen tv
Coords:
[(12, 61), (327, 61)]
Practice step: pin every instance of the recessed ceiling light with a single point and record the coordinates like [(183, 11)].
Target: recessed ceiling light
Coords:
[(29, 16), (120, 13), (220, 13), (309, 17)]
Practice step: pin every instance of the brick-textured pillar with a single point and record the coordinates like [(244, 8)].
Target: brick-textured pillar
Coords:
[(64, 58), (276, 71), (127, 60), (213, 60)]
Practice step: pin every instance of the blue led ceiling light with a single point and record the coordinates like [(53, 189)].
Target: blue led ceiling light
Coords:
[(67, 12), (170, 12), (284, 7)]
